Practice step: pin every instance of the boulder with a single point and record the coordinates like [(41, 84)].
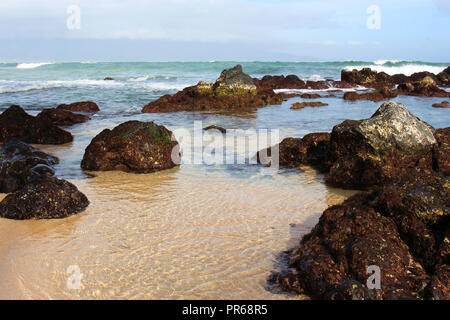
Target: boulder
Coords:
[(233, 91), (21, 163), (49, 198), (312, 149), (133, 146), (376, 150), (61, 117), (109, 79), (86, 106), (15, 123), (301, 105)]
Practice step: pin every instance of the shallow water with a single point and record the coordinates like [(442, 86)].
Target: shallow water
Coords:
[(194, 232)]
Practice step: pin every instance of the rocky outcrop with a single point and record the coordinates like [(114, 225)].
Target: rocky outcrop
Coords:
[(133, 146), (444, 77), (233, 90), (366, 77), (381, 94), (86, 106), (61, 117), (15, 123), (109, 79), (312, 149), (301, 105), (373, 79), (400, 229), (280, 82), (380, 149), (443, 104), (21, 163), (49, 198), (426, 87)]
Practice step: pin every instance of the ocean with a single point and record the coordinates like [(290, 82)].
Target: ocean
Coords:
[(195, 232)]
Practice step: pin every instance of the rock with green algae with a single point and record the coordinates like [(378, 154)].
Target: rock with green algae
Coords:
[(401, 228), (133, 146), (383, 148), (233, 91), (441, 151), (49, 198)]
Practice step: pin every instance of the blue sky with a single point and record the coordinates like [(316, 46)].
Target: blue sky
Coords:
[(168, 30)]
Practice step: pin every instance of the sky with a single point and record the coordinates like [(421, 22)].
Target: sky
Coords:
[(231, 30)]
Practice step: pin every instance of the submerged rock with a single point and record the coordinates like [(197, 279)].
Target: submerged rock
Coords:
[(15, 123), (383, 93), (443, 104), (21, 163), (222, 130), (62, 117), (133, 146), (383, 148), (86, 106), (233, 90), (49, 198), (301, 105)]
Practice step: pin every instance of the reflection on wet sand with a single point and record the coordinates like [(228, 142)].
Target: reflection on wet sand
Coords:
[(175, 234)]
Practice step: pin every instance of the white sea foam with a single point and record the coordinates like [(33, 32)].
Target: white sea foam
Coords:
[(382, 62), (138, 79), (357, 88), (32, 65), (8, 86), (407, 69)]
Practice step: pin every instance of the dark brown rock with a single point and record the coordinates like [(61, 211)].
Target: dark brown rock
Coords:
[(280, 82), (310, 96), (109, 79), (441, 151), (49, 198), (426, 87), (15, 123), (133, 146), (366, 77), (86, 106), (332, 261), (383, 93), (312, 149), (21, 163), (62, 117), (380, 149), (233, 91)]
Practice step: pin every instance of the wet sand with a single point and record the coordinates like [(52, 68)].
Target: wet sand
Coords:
[(177, 234)]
